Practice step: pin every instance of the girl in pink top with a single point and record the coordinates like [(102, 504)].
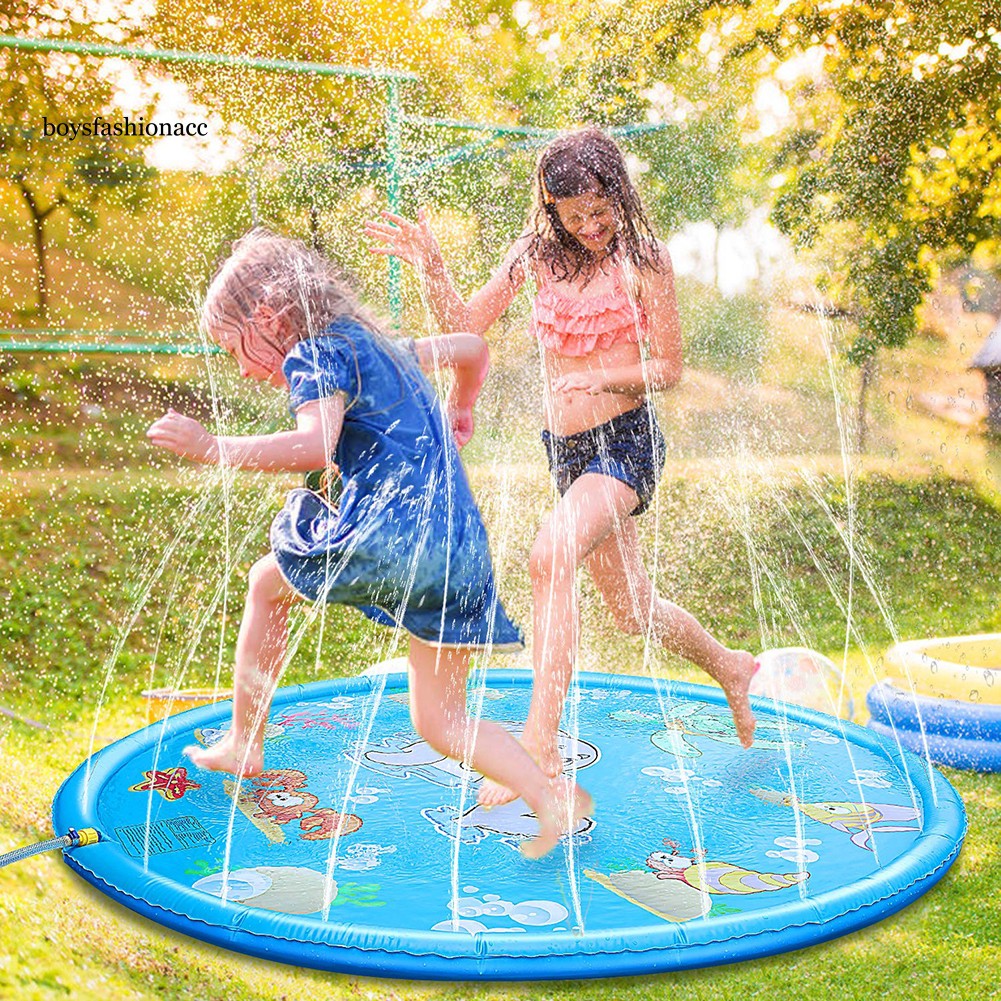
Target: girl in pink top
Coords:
[(606, 317)]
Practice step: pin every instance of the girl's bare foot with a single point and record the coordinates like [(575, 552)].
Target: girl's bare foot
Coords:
[(734, 675), (494, 794), (227, 756), (564, 804)]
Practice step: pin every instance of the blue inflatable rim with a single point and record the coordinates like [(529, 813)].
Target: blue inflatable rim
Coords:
[(897, 708), (955, 752)]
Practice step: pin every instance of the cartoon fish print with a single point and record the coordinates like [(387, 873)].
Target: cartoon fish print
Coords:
[(859, 820), (208, 736), (682, 721), (406, 755)]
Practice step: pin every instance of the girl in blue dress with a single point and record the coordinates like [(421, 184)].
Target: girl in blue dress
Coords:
[(405, 544)]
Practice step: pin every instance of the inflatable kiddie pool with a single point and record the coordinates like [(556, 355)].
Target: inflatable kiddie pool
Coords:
[(943, 700), (964, 735)]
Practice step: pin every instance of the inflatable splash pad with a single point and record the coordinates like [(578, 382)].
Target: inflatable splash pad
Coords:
[(361, 850)]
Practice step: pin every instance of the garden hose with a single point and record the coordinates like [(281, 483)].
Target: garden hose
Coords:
[(72, 839)]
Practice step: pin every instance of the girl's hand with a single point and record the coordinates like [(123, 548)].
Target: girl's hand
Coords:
[(411, 242), (461, 421), (184, 436), (591, 383)]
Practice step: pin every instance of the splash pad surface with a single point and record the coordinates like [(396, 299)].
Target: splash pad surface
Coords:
[(357, 852)]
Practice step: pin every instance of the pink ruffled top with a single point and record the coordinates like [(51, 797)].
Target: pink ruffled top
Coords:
[(573, 324)]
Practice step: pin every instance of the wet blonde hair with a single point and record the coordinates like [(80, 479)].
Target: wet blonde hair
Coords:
[(265, 269), (295, 281)]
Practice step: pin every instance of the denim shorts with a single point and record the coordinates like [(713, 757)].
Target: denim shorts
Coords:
[(629, 447)]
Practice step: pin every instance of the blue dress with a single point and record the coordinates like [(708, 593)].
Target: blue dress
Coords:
[(406, 543)]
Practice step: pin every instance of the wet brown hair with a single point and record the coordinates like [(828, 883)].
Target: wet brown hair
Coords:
[(586, 161)]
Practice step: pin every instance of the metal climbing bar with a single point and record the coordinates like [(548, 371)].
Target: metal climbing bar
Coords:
[(396, 167), (205, 58), (49, 347), (623, 131), (451, 157), (394, 153), (501, 130), (393, 113), (106, 348)]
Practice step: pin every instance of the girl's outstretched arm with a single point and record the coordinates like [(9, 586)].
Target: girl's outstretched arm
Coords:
[(466, 355), (415, 243), (310, 446)]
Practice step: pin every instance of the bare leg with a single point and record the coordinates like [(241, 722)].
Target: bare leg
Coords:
[(617, 569), (591, 525), (438, 708), (585, 516), (260, 654)]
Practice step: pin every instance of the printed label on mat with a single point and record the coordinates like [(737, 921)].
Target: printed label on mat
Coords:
[(176, 835)]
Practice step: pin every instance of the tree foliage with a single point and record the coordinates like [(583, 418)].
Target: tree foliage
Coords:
[(896, 148), (318, 141), (48, 171), (459, 66), (888, 166), (658, 63)]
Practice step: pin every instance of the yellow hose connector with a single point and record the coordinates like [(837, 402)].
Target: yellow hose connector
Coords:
[(87, 836)]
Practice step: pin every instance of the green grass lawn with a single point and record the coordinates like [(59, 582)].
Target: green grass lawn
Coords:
[(120, 571)]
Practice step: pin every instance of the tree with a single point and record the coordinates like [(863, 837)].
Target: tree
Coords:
[(301, 116), (896, 152), (320, 143), (890, 166), (44, 95)]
